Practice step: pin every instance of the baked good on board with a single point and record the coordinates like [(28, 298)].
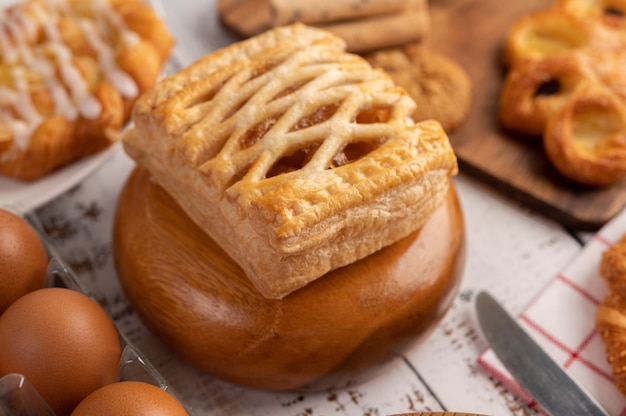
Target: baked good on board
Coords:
[(441, 89)]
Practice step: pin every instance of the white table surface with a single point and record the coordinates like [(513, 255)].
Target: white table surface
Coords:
[(512, 251)]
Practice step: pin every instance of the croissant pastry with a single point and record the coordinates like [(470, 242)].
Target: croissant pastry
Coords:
[(564, 65), (70, 71), (296, 157), (611, 314)]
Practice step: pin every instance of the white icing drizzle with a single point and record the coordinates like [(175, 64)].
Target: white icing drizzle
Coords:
[(29, 27), (128, 36), (120, 79), (88, 105), (52, 62), (25, 109), (7, 96), (9, 54)]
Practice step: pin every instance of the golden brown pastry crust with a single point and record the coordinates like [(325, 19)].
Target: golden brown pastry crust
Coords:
[(564, 63), (296, 157), (611, 314), (70, 72), (613, 267), (586, 139), (534, 91)]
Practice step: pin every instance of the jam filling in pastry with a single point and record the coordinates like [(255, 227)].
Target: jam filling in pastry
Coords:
[(70, 71), (295, 156)]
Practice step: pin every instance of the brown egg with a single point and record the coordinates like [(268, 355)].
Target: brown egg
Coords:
[(129, 398), (23, 259), (63, 342)]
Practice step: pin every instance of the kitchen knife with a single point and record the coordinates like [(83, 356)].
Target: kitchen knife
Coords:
[(529, 364)]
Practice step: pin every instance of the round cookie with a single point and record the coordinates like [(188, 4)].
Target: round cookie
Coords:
[(441, 89)]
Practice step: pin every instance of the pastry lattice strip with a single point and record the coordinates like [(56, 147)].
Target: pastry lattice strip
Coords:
[(297, 143)]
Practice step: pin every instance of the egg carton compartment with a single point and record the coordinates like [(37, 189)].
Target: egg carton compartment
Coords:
[(18, 397)]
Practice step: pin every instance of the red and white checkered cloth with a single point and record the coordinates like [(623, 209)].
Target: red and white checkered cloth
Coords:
[(561, 320)]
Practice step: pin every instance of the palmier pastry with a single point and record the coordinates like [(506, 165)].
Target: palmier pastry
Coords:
[(294, 156), (534, 91), (586, 139), (565, 64), (611, 314), (70, 70)]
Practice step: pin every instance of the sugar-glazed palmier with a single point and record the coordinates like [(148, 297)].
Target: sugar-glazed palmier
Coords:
[(70, 71), (609, 13), (558, 56), (586, 139), (293, 155)]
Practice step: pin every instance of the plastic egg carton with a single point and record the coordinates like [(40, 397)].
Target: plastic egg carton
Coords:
[(18, 397)]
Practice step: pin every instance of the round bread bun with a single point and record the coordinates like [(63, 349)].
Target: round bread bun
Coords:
[(339, 329)]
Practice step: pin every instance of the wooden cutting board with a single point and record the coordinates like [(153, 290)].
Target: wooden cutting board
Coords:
[(472, 33)]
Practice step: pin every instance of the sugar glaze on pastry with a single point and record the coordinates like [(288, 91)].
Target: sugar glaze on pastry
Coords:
[(66, 72), (295, 156)]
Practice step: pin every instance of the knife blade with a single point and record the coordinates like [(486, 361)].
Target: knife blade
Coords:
[(554, 390)]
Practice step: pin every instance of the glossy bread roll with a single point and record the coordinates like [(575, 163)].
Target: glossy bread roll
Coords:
[(586, 139), (366, 26), (296, 157), (338, 330), (70, 70)]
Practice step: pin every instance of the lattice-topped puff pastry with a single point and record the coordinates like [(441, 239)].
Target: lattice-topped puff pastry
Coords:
[(70, 71), (293, 155)]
